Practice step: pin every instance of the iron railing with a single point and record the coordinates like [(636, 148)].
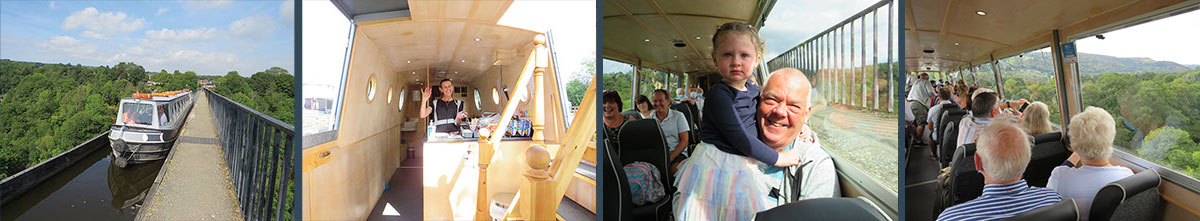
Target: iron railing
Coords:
[(258, 150), (839, 63)]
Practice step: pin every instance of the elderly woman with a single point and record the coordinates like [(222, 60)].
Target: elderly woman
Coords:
[(613, 119), (1036, 118), (1092, 132)]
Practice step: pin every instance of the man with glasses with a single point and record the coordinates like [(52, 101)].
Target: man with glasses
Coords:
[(446, 111)]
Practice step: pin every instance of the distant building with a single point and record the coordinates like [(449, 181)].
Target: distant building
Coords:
[(319, 104)]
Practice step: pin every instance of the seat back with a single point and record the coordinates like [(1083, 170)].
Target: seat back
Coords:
[(642, 140), (1061, 211), (965, 182), (1132, 198), (837, 208), (1048, 152), (695, 123), (632, 113), (940, 120), (949, 138), (618, 201)]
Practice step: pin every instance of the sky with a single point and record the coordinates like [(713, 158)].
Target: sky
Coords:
[(793, 22), (208, 37), (1168, 39), (326, 32)]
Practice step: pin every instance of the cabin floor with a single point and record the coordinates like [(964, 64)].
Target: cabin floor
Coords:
[(405, 197), (922, 191)]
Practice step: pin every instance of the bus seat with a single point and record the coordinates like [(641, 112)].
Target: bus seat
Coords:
[(837, 208), (618, 201), (1061, 211), (941, 119), (642, 140), (1047, 153), (1132, 198), (632, 113), (693, 133), (965, 182), (949, 139)]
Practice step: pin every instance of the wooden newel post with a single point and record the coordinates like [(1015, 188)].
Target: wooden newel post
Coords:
[(482, 204), (539, 96), (537, 192)]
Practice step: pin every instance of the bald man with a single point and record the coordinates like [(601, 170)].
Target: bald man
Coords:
[(1003, 151), (783, 111)]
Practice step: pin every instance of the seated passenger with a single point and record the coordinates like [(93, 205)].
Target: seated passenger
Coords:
[(1002, 153), (1092, 132), (783, 111), (674, 128), (642, 103), (1036, 118), (613, 119), (944, 97), (984, 104)]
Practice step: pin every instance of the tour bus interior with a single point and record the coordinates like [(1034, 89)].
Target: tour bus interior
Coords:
[(667, 44), (964, 40), (381, 161)]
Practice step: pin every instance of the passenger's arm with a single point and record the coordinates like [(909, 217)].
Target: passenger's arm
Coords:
[(683, 142), (425, 108), (725, 121)]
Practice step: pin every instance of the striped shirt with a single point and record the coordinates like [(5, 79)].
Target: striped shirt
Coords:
[(1000, 201), (969, 128)]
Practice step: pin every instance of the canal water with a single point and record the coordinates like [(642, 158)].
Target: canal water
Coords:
[(92, 189)]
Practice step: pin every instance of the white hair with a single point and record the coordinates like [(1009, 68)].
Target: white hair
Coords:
[(1092, 132), (1003, 149)]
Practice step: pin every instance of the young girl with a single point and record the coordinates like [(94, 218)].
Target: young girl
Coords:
[(722, 179)]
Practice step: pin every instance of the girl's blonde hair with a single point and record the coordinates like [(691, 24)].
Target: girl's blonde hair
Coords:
[(1036, 119), (739, 27)]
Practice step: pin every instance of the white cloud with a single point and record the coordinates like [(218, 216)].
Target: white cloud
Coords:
[(182, 35), (161, 11), (209, 4), (90, 34), (287, 13), (107, 23), (70, 46), (257, 26)]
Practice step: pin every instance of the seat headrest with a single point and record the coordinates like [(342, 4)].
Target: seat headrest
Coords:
[(1064, 211), (1047, 137), (837, 208), (1115, 193)]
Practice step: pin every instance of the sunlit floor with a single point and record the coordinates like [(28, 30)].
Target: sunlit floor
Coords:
[(403, 200)]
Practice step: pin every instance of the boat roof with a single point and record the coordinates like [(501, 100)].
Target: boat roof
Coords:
[(157, 98), (960, 37), (648, 29), (439, 36)]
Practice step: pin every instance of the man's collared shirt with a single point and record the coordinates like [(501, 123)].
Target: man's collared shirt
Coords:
[(934, 113), (1000, 201), (817, 173), (671, 127), (969, 129)]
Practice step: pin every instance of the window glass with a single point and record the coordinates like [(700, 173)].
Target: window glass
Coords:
[(1146, 77), (618, 76), (329, 50), (136, 114), (1030, 76)]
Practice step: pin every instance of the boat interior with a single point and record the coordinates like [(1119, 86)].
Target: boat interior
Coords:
[(958, 37), (381, 162)]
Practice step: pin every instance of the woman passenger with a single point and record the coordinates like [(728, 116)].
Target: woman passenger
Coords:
[(642, 103), (1092, 132), (613, 119), (1036, 118)]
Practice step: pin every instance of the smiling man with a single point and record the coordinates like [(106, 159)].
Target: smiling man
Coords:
[(782, 114)]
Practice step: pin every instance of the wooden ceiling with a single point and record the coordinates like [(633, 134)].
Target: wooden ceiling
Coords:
[(960, 37), (648, 30), (442, 35)]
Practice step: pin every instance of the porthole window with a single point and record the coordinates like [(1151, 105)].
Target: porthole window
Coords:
[(371, 88), (400, 102), (389, 95), (478, 103), (495, 96)]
